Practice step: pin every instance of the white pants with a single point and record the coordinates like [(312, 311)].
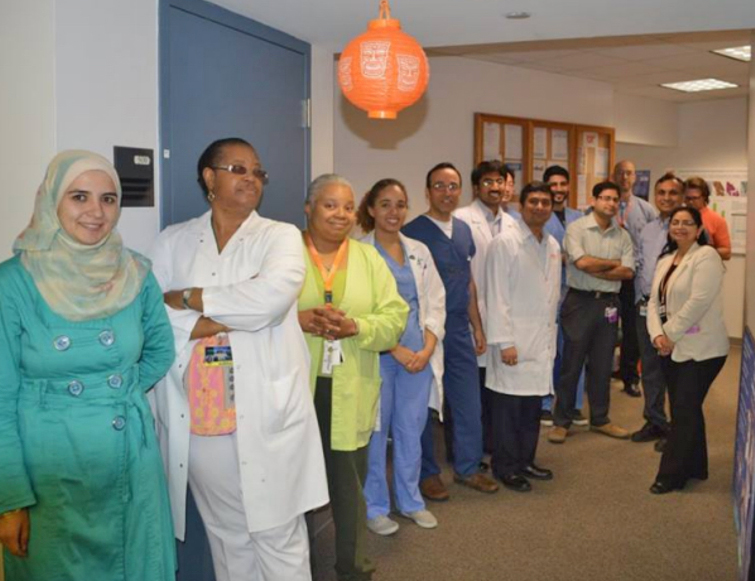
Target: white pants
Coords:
[(278, 554)]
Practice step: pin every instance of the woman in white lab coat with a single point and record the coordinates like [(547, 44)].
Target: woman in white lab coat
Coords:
[(523, 270), (412, 372), (251, 455)]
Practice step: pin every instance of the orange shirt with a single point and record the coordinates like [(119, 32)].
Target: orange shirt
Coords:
[(718, 230)]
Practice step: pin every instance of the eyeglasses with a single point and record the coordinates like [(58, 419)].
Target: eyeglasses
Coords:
[(443, 187), (241, 170), (609, 199), (487, 182), (693, 198), (685, 223)]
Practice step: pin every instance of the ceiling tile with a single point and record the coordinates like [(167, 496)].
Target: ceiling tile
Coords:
[(625, 69), (645, 51), (580, 60)]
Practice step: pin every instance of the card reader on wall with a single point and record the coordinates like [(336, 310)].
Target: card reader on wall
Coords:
[(135, 167)]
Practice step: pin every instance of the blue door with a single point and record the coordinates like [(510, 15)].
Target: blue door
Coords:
[(223, 75)]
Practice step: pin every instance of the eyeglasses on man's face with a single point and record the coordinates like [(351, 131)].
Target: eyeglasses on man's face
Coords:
[(444, 187), (242, 170), (608, 199), (489, 182)]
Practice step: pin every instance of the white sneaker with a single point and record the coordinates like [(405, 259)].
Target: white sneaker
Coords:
[(423, 518), (382, 525)]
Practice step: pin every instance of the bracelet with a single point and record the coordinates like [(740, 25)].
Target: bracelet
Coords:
[(185, 296)]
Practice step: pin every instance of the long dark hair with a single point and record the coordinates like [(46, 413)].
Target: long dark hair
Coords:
[(365, 221), (671, 245)]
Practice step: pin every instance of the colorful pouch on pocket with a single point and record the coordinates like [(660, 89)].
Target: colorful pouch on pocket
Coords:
[(210, 387)]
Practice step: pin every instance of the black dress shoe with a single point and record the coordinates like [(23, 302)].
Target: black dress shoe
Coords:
[(660, 445), (516, 482), (533, 471), (632, 390), (648, 433), (660, 487)]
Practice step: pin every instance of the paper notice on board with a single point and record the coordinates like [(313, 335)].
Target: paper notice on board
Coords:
[(540, 143), (590, 139), (582, 191), (513, 138), (491, 141), (560, 145), (601, 163), (538, 169)]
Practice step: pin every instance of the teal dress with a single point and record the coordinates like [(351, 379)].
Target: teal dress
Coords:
[(77, 441)]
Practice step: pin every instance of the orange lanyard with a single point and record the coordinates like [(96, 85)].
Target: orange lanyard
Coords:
[(328, 276)]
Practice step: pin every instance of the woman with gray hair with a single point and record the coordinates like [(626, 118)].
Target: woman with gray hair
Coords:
[(350, 311)]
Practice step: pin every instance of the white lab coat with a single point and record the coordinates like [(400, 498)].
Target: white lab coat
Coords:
[(252, 287), (474, 216), (432, 306), (523, 290)]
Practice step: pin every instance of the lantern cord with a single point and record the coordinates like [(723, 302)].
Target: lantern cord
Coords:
[(385, 10)]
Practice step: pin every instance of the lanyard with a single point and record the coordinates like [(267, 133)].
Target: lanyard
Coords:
[(624, 214), (328, 276)]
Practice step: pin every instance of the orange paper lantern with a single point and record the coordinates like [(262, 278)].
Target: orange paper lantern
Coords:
[(383, 70)]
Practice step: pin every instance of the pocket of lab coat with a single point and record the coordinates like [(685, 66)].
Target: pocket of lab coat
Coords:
[(284, 403), (531, 339)]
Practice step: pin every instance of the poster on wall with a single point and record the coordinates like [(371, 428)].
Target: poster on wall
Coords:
[(641, 187), (744, 459), (728, 197)]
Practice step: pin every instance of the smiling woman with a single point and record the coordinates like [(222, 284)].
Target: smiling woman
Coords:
[(88, 209)]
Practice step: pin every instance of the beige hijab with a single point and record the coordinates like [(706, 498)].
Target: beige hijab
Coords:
[(78, 281)]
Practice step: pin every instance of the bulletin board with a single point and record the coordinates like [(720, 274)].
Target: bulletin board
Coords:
[(728, 197), (529, 146)]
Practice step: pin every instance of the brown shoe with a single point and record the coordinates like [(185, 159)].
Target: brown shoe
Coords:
[(557, 435), (432, 488), (611, 430), (478, 481)]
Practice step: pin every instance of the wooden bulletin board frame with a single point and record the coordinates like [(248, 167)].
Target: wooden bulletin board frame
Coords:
[(587, 151)]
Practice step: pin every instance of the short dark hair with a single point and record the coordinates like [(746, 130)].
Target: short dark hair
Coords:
[(365, 221), (486, 167), (699, 184), (601, 187), (531, 188), (212, 154), (670, 176), (702, 239), (555, 170), (509, 172), (439, 166)]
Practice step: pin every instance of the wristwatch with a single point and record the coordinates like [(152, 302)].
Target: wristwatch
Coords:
[(185, 296)]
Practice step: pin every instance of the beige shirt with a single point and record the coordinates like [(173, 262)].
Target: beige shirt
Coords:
[(584, 237)]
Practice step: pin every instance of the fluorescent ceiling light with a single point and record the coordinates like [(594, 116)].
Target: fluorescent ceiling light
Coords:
[(740, 53), (699, 85), (518, 15)]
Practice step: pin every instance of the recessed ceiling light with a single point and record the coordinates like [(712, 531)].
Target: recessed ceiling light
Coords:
[(518, 15), (700, 85), (740, 53)]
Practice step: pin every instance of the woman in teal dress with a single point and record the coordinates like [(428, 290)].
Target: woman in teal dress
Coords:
[(83, 336)]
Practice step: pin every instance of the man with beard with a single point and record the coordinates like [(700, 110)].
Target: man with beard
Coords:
[(486, 218), (668, 197), (634, 213), (599, 256), (524, 280), (557, 178), (452, 247)]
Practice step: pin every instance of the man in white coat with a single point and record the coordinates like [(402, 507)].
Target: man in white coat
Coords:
[(523, 270), (235, 274), (486, 218)]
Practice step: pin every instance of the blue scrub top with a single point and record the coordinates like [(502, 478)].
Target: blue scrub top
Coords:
[(412, 338)]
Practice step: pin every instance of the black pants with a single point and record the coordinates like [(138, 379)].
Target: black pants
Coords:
[(686, 454), (516, 427), (630, 350), (346, 473), (588, 337), (487, 413)]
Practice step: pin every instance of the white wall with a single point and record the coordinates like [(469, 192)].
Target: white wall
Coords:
[(645, 121), (27, 109), (712, 135), (322, 94), (750, 278), (440, 127)]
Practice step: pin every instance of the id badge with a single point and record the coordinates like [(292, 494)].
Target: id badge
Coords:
[(332, 356), (643, 309), (612, 315), (693, 330), (218, 356)]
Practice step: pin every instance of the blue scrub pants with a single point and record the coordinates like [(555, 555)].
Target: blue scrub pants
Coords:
[(403, 412), (462, 397)]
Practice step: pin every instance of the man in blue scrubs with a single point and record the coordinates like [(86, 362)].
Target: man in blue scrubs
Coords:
[(452, 247)]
